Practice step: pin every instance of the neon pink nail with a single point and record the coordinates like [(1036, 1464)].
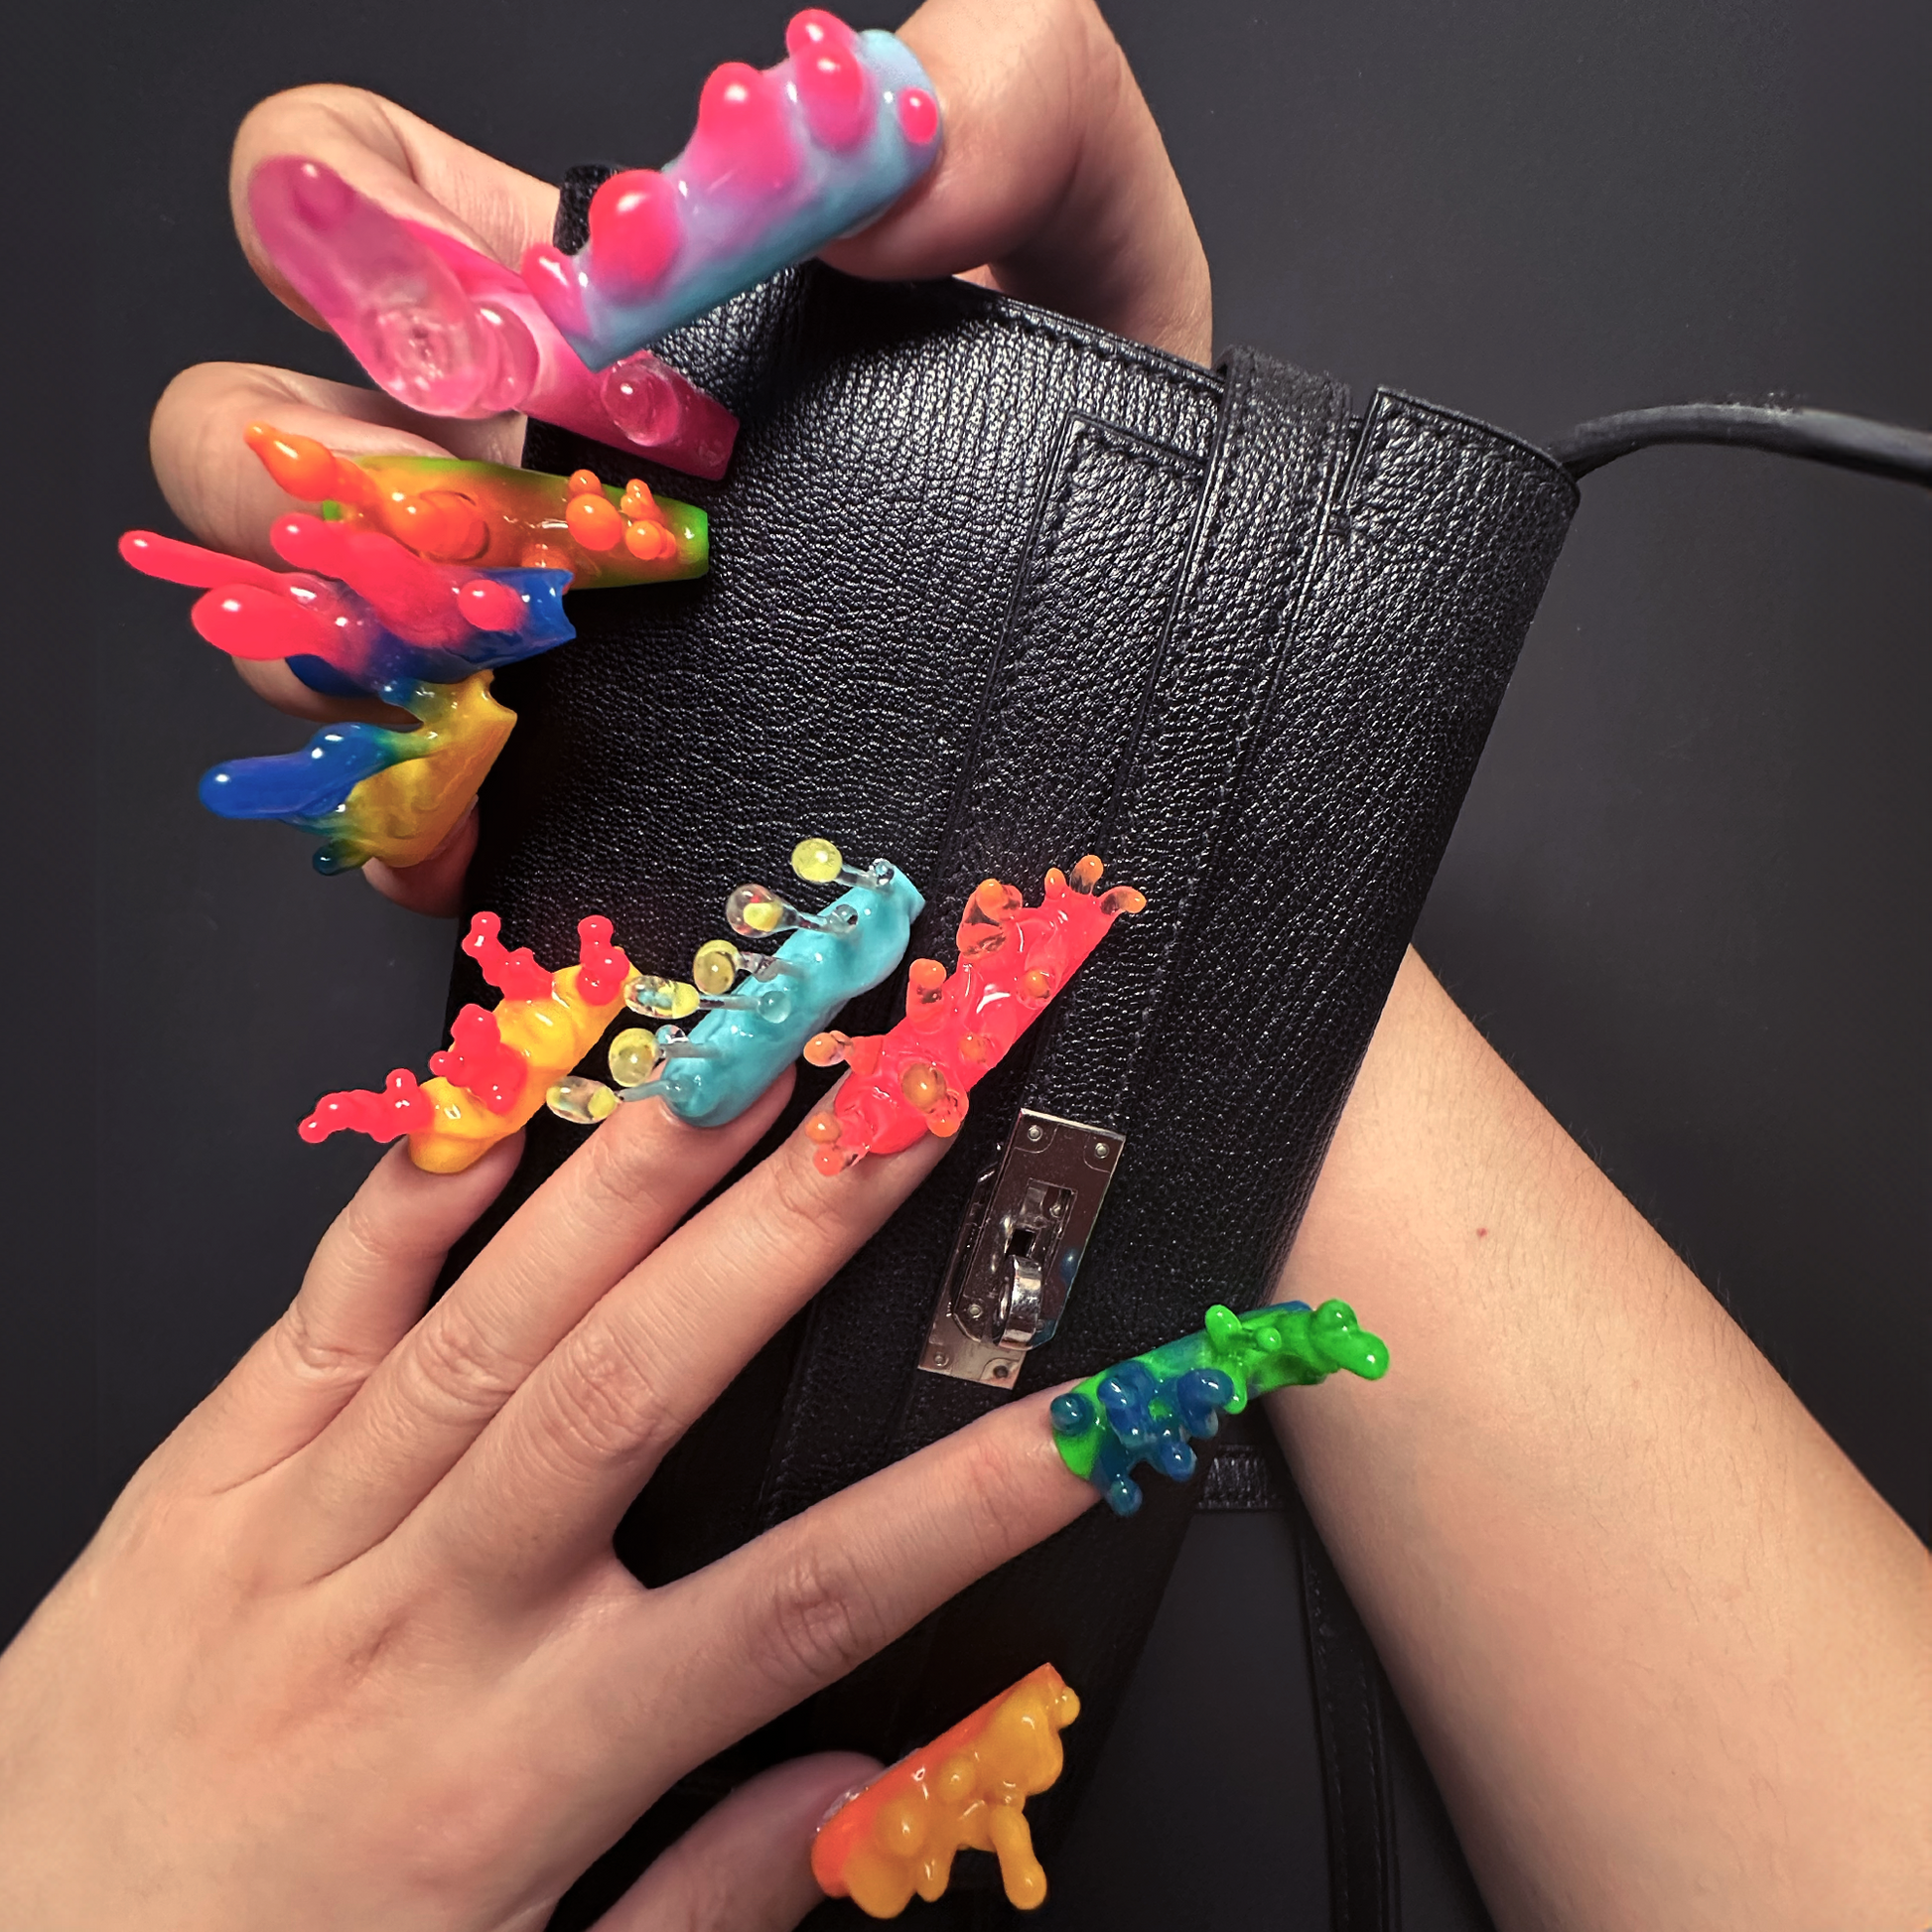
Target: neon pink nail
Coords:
[(446, 329)]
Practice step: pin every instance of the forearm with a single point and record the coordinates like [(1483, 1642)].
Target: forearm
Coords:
[(1667, 1653)]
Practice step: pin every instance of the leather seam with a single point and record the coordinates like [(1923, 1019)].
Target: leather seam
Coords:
[(1393, 415), (1005, 311), (1194, 569), (1331, 1757), (1276, 626), (1471, 430), (1081, 437)]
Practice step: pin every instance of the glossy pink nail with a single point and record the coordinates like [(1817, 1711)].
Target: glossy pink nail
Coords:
[(446, 329)]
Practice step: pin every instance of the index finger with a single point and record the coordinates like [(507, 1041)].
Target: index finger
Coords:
[(400, 161), (803, 1604)]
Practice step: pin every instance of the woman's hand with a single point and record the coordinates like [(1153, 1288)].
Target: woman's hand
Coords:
[(354, 1647), (1053, 184)]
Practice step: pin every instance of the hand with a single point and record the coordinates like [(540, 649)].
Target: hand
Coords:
[(353, 1649), (1053, 184), (354, 1646)]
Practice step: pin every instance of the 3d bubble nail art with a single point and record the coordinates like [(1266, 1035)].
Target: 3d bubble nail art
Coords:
[(759, 1009), (359, 611), (783, 161), (486, 515), (493, 1074), (442, 327), (967, 1790), (1013, 958), (1144, 1411)]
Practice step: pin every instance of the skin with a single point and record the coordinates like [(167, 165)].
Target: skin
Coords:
[(1667, 1651), (353, 1648)]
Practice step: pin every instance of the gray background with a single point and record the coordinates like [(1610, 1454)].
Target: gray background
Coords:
[(1686, 898)]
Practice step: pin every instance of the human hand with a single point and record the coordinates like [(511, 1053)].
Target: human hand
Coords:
[(1053, 184), (354, 1647)]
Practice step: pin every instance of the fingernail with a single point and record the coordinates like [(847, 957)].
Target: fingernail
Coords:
[(441, 327), (781, 163)]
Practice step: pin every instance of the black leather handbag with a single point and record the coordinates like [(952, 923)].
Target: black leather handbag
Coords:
[(991, 589)]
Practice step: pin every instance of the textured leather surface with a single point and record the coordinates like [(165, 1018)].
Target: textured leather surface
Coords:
[(990, 588), (1245, 1471)]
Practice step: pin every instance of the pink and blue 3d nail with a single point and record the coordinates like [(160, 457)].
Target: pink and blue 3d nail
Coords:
[(782, 162), (448, 331)]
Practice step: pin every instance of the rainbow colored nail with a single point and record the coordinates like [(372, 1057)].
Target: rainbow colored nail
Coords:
[(1013, 959), (492, 1075), (491, 517), (759, 1009), (967, 1790), (379, 614), (782, 163), (1146, 1410), (373, 793), (448, 331)]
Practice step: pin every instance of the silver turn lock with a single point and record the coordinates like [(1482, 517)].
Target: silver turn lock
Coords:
[(1019, 1246)]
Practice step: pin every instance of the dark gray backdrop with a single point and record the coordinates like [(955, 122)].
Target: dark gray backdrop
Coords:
[(1685, 901)]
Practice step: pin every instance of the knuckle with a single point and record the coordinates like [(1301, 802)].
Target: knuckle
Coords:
[(603, 1404), (191, 439), (617, 1167), (457, 1369), (700, 1897), (360, 1242), (187, 417), (484, 1804), (821, 1618), (273, 114), (992, 1495), (312, 1357)]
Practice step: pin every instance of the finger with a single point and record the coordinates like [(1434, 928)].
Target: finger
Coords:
[(408, 167), (1053, 174), (432, 886), (609, 1205), (809, 1602), (746, 1864), (587, 1429), (221, 491), (366, 1286)]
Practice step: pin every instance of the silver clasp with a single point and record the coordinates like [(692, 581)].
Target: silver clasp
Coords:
[(1019, 1245)]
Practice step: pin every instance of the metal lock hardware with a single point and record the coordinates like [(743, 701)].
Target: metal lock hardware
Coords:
[(1019, 1245)]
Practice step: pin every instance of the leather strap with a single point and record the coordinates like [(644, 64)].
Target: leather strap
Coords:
[(1159, 646), (1050, 749), (1363, 1885)]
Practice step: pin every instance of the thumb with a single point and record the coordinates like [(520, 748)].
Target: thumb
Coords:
[(746, 1864), (1052, 173)]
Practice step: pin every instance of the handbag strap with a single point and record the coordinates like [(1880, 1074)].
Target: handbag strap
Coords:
[(1817, 435)]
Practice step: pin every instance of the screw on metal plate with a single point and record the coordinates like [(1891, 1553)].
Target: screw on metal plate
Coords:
[(1019, 1248)]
